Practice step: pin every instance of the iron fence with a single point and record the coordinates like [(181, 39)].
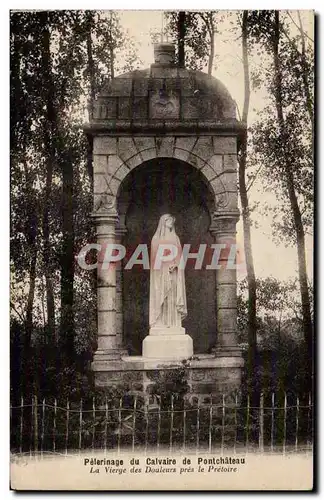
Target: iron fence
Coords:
[(274, 423)]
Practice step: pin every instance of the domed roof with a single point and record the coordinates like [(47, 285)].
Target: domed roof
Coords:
[(164, 94)]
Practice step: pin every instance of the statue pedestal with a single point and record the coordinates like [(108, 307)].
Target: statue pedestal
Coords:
[(167, 343)]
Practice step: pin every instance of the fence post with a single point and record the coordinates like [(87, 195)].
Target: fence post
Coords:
[(31, 427), (223, 424), (235, 422), (106, 424), (297, 423), (247, 424), (67, 426), (171, 424), (134, 423), (184, 425), (93, 421), (54, 426), (261, 425), (21, 423), (285, 424), (43, 427), (147, 413), (159, 425), (80, 427), (210, 424), (198, 426), (119, 423), (309, 424), (36, 424), (272, 420)]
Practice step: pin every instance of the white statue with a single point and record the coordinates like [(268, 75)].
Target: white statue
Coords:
[(167, 339), (168, 305)]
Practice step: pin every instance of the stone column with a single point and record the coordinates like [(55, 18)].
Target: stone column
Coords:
[(109, 347), (120, 233), (223, 229)]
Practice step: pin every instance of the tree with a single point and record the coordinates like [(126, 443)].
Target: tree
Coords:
[(242, 159), (57, 60), (181, 38), (194, 33), (284, 148)]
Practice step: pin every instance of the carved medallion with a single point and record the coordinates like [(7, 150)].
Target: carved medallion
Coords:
[(164, 106)]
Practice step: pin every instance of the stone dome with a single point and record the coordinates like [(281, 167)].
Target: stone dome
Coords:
[(164, 95)]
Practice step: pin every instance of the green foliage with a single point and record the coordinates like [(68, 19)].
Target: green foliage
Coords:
[(269, 148), (200, 29), (85, 48)]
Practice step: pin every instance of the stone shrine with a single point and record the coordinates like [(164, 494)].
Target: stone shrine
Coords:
[(165, 141)]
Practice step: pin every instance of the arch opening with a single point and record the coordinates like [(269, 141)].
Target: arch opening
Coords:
[(158, 186)]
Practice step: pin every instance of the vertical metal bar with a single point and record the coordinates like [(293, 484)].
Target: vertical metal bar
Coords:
[(146, 424), (297, 423), (235, 423), (54, 426), (67, 427), (80, 427), (272, 420), (247, 423), (43, 427), (93, 422), (31, 427), (134, 423), (36, 424), (285, 424), (223, 424), (171, 424), (210, 425), (11, 425), (184, 427), (119, 423), (261, 424), (106, 423), (159, 425), (198, 426), (21, 424), (309, 424)]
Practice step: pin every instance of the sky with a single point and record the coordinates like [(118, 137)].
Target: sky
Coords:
[(270, 258)]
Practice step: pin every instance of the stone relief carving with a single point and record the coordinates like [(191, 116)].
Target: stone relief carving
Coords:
[(222, 200), (106, 203), (164, 106)]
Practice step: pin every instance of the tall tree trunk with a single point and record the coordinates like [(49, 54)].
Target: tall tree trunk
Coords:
[(181, 38), (211, 30), (15, 88), (67, 261), (290, 185), (211, 53), (111, 50), (32, 285), (91, 74), (49, 132), (308, 97), (90, 61), (246, 217)]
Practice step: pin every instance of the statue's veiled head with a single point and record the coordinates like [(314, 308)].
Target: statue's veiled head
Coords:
[(165, 225)]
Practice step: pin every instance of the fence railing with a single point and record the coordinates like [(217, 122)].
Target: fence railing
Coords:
[(275, 424)]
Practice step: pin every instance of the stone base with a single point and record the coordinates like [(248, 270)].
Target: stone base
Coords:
[(207, 376), (102, 355), (161, 345), (172, 330)]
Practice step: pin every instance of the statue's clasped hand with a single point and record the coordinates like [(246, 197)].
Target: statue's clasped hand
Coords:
[(172, 268)]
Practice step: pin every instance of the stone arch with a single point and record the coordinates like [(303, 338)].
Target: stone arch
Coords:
[(204, 153)]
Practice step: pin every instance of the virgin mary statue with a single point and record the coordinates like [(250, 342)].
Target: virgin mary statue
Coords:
[(168, 305)]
